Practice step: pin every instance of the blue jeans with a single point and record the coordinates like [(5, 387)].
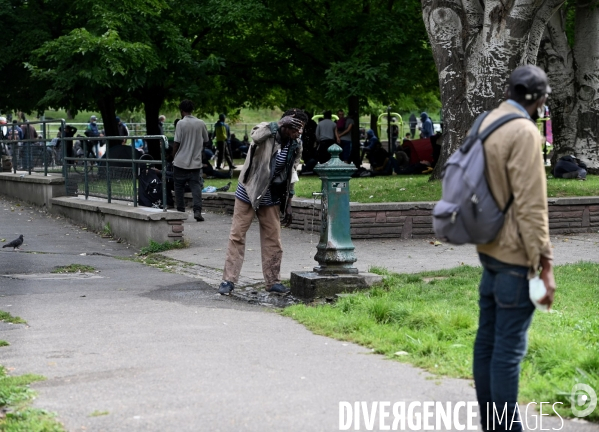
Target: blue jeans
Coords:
[(208, 152), (501, 341), (346, 153)]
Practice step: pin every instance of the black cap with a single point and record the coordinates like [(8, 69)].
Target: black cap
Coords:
[(529, 81)]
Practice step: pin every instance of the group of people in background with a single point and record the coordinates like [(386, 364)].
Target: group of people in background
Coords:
[(318, 137)]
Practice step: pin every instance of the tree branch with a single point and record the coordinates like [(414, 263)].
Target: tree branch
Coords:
[(474, 15), (302, 24), (544, 14), (200, 36)]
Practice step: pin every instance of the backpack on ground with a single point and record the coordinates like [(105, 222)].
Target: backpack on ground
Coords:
[(468, 212), (149, 189)]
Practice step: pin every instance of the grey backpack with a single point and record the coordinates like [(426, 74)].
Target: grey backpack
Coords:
[(467, 212)]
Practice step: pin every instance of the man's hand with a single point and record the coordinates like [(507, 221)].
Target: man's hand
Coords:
[(291, 122), (288, 214), (548, 280)]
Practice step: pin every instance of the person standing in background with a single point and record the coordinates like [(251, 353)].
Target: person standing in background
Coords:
[(413, 122), (223, 135), (188, 145), (344, 128), (426, 130)]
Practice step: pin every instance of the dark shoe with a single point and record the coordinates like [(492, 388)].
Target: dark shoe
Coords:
[(197, 215), (232, 167), (278, 288), (181, 210), (226, 287)]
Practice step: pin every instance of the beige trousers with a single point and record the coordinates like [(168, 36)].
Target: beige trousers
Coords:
[(270, 242)]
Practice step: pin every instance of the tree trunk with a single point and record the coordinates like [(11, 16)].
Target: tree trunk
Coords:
[(476, 45), (107, 105), (373, 122), (153, 98), (354, 112), (555, 57), (586, 55), (574, 79)]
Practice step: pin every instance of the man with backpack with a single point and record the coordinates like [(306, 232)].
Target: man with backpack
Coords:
[(223, 145), (93, 147), (497, 199)]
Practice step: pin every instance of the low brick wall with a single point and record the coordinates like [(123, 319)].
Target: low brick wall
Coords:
[(413, 219), (573, 215)]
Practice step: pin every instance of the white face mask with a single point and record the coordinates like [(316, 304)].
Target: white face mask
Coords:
[(541, 111)]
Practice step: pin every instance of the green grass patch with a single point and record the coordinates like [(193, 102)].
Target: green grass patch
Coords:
[(3, 343), (74, 268), (557, 187), (435, 322), (155, 247), (7, 317), (416, 188), (107, 230), (15, 396), (372, 189)]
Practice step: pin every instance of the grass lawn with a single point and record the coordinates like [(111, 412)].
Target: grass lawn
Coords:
[(418, 188), (435, 323), (370, 189)]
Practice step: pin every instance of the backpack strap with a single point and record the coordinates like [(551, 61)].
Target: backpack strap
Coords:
[(492, 128), (509, 204), (476, 126), (471, 137), (497, 124)]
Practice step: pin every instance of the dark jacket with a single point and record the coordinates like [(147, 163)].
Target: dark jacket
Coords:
[(567, 164)]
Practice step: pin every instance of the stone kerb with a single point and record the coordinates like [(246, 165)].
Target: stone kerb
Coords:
[(410, 220), (137, 225), (35, 189)]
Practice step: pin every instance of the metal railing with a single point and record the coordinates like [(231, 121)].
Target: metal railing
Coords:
[(239, 129), (32, 154), (105, 177), (107, 171)]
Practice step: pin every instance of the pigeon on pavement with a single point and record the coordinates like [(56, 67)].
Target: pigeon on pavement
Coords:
[(15, 244), (224, 188)]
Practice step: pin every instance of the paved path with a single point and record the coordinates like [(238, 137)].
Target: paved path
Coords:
[(163, 352), (209, 242)]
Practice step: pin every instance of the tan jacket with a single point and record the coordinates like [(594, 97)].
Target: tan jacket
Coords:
[(259, 164), (515, 166)]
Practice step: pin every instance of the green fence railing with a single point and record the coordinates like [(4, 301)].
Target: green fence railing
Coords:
[(31, 154), (111, 178), (102, 177)]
